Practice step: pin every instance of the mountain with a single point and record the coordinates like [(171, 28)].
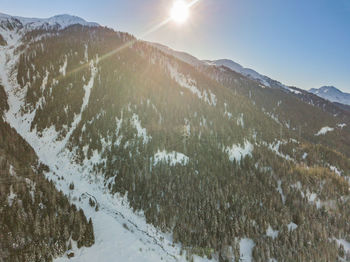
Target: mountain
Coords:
[(177, 159), (28, 24), (332, 94)]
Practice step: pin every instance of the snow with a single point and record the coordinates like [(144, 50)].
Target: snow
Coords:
[(63, 68), (141, 241), (305, 155), (229, 115), (61, 21), (191, 85), (335, 170), (240, 121), (294, 91), (11, 197), (141, 132), (291, 226), (246, 246), (271, 233), (279, 189), (171, 158), (332, 94), (345, 244), (274, 147), (341, 126), (324, 130), (237, 152)]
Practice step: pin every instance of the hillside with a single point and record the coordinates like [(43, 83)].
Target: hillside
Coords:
[(180, 159), (37, 222)]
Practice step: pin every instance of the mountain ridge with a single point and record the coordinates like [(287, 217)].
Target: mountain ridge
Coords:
[(61, 20), (332, 94)]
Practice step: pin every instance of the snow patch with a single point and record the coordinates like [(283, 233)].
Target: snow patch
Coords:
[(171, 158), (11, 197), (335, 170), (63, 68), (292, 226), (237, 152), (191, 85), (240, 121), (246, 246), (141, 132), (324, 130), (279, 189), (271, 233), (345, 244)]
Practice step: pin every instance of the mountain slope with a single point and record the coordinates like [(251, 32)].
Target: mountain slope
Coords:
[(296, 109), (332, 94), (200, 159), (37, 222)]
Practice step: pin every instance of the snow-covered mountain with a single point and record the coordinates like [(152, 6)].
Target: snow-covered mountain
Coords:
[(332, 94), (58, 22), (171, 156)]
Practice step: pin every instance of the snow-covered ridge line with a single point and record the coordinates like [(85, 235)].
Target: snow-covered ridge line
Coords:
[(60, 21), (332, 94)]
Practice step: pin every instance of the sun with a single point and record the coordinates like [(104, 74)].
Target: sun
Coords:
[(180, 12)]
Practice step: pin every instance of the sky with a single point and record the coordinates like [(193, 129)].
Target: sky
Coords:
[(302, 43)]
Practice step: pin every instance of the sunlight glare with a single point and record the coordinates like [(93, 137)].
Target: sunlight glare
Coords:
[(180, 11)]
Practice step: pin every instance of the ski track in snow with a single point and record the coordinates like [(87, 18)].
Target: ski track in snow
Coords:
[(120, 234)]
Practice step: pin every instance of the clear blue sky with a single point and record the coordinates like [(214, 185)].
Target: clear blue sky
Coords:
[(305, 43)]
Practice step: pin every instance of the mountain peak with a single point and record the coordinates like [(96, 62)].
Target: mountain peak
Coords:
[(61, 21), (332, 94)]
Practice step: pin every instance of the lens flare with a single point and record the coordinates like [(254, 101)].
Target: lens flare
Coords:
[(180, 11)]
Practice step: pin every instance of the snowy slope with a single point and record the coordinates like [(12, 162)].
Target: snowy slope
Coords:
[(332, 94), (120, 233)]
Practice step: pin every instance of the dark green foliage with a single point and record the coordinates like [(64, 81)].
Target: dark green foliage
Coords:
[(36, 221)]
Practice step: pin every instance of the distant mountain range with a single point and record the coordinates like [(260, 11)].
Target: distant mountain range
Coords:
[(57, 21), (332, 94)]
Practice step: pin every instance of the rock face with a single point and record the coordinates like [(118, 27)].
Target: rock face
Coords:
[(212, 156)]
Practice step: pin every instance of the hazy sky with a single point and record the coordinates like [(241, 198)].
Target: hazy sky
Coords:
[(305, 43)]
